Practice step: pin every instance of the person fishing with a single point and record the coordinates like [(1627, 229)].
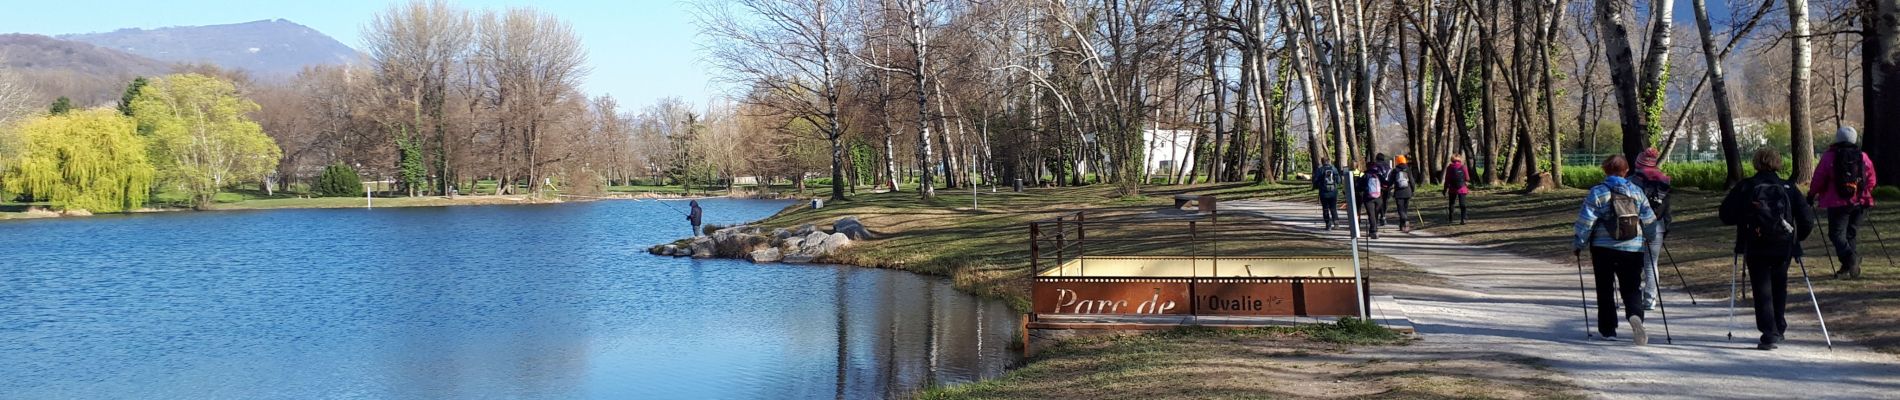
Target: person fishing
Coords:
[(695, 216), (1656, 189), (1844, 185), (1613, 224), (1769, 229), (1457, 185), (1326, 181), (1402, 192)]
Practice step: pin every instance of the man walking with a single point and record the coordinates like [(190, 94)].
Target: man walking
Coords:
[(1326, 181), (1844, 185)]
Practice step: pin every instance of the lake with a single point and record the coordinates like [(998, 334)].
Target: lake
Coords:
[(557, 301)]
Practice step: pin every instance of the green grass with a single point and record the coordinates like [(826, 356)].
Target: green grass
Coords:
[(1345, 360)]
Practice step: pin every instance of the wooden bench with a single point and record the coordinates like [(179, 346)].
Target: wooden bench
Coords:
[(1203, 203)]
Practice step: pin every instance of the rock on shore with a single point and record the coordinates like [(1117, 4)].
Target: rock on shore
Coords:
[(802, 244)]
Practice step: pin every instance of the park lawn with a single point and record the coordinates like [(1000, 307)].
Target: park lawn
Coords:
[(986, 250), (1312, 361), (1539, 225)]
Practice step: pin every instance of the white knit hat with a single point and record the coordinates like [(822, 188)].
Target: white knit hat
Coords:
[(1847, 135)]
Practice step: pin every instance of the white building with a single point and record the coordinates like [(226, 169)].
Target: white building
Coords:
[(1168, 149)]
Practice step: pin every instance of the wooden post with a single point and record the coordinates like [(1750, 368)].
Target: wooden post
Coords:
[(1035, 250)]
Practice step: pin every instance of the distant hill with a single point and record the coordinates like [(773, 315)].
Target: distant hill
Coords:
[(90, 75), (267, 49)]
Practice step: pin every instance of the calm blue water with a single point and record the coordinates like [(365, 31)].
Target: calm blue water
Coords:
[(542, 302)]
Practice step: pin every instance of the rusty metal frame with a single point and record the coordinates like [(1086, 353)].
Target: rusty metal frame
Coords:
[(1068, 235)]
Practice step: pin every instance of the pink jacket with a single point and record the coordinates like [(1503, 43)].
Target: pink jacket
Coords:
[(1458, 166), (1825, 190)]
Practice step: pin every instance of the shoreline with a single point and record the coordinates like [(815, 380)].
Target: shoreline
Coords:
[(35, 212)]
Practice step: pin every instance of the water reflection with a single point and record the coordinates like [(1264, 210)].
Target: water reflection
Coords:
[(471, 302)]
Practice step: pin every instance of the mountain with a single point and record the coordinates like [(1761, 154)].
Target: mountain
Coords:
[(268, 49), (90, 75)]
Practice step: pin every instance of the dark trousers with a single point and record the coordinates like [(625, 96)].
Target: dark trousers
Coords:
[(1367, 207), (1381, 203), (1616, 271), (1375, 211), (1768, 277), (1454, 201), (1843, 228), (1404, 206), (1329, 210)]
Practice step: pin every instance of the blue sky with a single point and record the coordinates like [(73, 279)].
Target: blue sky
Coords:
[(640, 50)]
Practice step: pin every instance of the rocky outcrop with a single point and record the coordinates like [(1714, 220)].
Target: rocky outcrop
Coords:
[(852, 228), (769, 254), (802, 244)]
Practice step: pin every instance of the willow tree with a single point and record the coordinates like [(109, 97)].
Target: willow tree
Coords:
[(203, 139), (82, 160)]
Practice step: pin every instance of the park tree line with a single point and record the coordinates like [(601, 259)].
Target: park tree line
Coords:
[(953, 92)]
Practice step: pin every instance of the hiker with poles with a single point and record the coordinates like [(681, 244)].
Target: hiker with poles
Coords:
[(1769, 228), (1457, 185), (1613, 223), (1844, 185), (1656, 189), (1381, 168), (1402, 192), (1326, 181), (1372, 196)]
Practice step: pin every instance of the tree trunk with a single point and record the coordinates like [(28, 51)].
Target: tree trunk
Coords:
[(914, 15), (1880, 75), (1798, 129), (1623, 76), (1718, 86)]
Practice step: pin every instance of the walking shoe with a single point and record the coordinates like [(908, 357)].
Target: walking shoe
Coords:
[(1609, 338), (1636, 325), (1766, 346)]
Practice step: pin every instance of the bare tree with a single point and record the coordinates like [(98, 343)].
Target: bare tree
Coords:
[(790, 49), (415, 47)]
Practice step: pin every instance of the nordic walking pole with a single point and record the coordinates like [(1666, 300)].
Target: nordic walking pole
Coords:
[(1664, 306), (1817, 303), (1877, 238), (1827, 246), (1732, 266), (1679, 276), (1582, 298)]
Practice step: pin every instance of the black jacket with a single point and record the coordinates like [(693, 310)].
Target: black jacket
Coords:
[(1738, 209), (1402, 192)]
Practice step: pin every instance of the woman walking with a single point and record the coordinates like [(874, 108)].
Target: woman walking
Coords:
[(1611, 224), (1402, 192), (1770, 224), (1457, 185), (1656, 189)]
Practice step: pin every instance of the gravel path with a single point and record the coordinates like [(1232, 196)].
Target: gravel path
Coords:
[(1500, 302)]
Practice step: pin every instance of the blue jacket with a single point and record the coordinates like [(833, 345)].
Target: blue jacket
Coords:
[(1597, 205)]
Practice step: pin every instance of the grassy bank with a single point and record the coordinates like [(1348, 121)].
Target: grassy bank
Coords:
[(986, 249), (1317, 361)]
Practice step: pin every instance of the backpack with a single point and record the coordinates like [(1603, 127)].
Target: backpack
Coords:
[(1626, 219), (1456, 178), (1849, 172), (1372, 186), (1657, 192), (1328, 178), (1772, 211), (1401, 179)]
